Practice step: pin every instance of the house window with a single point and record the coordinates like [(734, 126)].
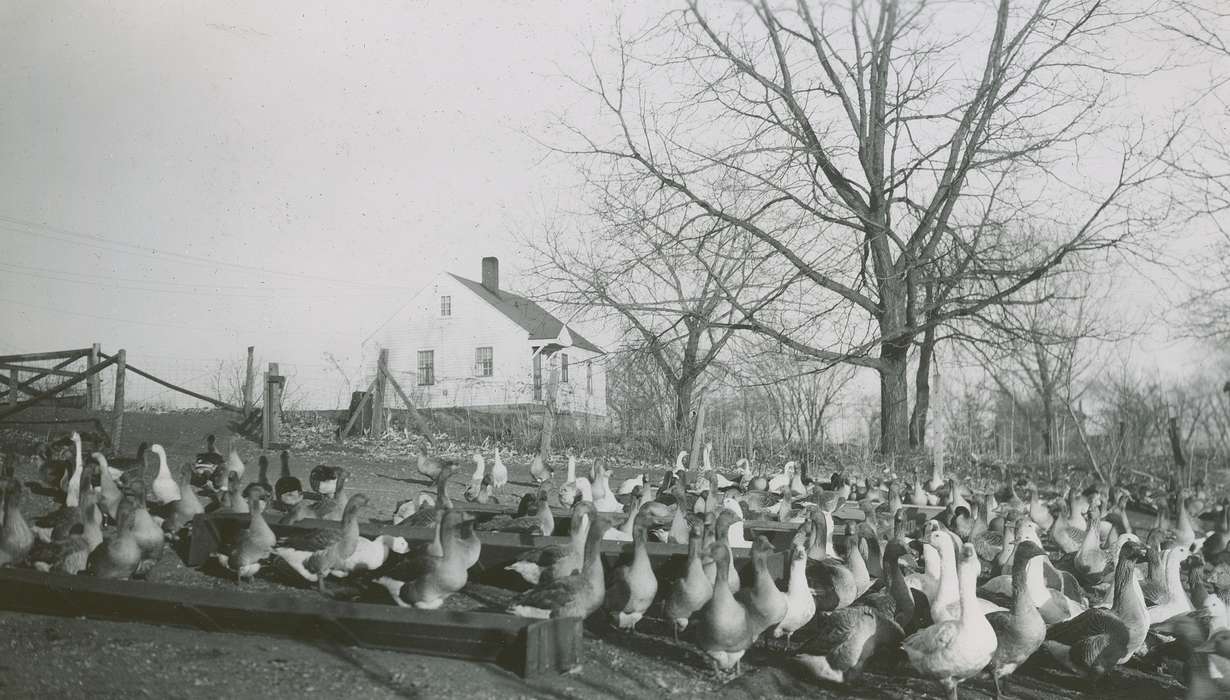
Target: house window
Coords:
[(589, 377), (563, 367), (427, 367), (483, 362), (446, 306), (537, 375)]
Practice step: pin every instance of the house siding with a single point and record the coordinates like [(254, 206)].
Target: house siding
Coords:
[(454, 339)]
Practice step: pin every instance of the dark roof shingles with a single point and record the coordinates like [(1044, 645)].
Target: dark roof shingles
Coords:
[(540, 324)]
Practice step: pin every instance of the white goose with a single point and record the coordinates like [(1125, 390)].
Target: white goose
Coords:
[(499, 472), (164, 486), (788, 476)]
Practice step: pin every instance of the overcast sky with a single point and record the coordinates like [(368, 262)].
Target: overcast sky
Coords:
[(189, 178)]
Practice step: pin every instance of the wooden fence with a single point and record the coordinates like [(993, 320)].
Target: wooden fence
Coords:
[(19, 379)]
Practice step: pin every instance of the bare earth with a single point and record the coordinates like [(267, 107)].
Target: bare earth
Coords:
[(60, 657)]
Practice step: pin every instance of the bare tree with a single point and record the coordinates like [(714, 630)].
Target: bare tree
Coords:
[(1037, 352), (659, 272), (884, 165), (798, 393)]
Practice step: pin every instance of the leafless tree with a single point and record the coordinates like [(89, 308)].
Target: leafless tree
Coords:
[(887, 166), (659, 272), (797, 392)]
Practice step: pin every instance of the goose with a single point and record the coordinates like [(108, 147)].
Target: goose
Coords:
[(119, 465), (1069, 531), (1173, 599), (315, 555), (431, 466), (831, 580), (847, 639), (332, 505), (800, 603), (1217, 542), (485, 493), (788, 477), (70, 554), (370, 555), (108, 492), (895, 601), (735, 535), (568, 491), (230, 500), (323, 479), (16, 537), (691, 592), (233, 462), (541, 522), (1020, 630), (1097, 640), (723, 627), (635, 585), (627, 486), (604, 498), (183, 510), (540, 470), (288, 490), (56, 524), (578, 594), (70, 483), (255, 544), (722, 526), (1092, 564), (427, 512), (708, 474), (207, 462), (428, 580), (1209, 677), (958, 648), (262, 476), (765, 603), (1038, 512), (476, 480), (118, 556), (623, 533), (948, 601), (164, 487), (549, 562), (679, 467), (499, 472), (151, 540)]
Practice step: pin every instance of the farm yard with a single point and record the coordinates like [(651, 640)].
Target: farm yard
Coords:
[(551, 349), (612, 663)]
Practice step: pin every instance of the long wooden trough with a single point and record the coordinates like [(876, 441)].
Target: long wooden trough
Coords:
[(209, 531), (779, 533), (524, 646)]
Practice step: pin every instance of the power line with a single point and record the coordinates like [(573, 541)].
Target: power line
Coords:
[(155, 324), (38, 230), (171, 288)]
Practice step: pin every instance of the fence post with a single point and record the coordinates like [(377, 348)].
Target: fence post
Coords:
[(93, 395), (548, 416), (382, 372), (272, 423), (12, 387), (249, 378), (117, 430)]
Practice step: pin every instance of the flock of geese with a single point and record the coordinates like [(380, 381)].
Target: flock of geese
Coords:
[(957, 583)]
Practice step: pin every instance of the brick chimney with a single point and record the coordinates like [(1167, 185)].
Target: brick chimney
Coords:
[(491, 274)]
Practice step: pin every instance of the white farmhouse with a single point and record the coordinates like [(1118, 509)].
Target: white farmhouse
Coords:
[(465, 344)]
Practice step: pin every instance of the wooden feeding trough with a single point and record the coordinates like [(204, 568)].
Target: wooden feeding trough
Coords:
[(527, 647), (779, 533), (499, 548)]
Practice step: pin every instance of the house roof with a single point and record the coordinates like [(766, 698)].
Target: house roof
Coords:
[(527, 314)]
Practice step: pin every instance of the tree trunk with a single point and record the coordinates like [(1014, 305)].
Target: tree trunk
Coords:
[(922, 392), (894, 401), (683, 415)]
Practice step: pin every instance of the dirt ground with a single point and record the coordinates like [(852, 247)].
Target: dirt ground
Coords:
[(54, 657)]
